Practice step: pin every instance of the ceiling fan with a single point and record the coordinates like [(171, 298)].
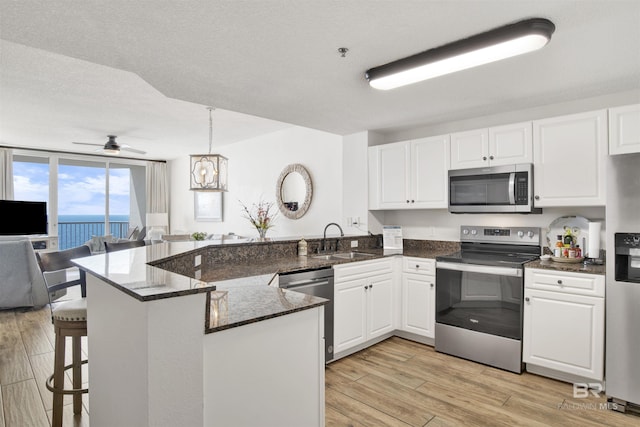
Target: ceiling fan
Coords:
[(112, 147)]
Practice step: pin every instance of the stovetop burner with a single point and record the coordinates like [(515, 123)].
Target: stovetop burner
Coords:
[(496, 246)]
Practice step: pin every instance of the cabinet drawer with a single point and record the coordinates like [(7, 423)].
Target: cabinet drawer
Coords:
[(560, 281), (355, 270), (419, 265)]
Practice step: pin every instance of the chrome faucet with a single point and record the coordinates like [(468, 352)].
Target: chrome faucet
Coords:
[(324, 235)]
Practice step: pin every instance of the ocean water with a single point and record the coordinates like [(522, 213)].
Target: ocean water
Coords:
[(75, 230)]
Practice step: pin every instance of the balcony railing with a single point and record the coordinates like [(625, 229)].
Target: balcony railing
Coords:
[(72, 234)]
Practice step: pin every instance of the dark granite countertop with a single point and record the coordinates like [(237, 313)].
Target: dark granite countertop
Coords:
[(570, 267), (168, 270), (235, 277)]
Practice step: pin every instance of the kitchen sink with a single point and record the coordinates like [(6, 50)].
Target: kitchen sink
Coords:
[(352, 255), (344, 255)]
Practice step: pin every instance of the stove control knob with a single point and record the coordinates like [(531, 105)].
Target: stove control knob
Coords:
[(521, 234), (474, 232), (465, 231), (530, 233)]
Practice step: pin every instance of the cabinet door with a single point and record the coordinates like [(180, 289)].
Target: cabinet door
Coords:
[(418, 304), (510, 144), (393, 164), (564, 332), (349, 314), (470, 149), (428, 178), (569, 160), (380, 305), (624, 129)]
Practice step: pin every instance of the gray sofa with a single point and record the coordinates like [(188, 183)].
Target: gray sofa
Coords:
[(21, 282)]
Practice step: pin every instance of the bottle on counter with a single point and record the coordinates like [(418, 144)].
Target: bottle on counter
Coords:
[(578, 252), (302, 247), (557, 252), (568, 239)]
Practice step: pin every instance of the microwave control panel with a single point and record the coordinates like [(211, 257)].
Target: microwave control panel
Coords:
[(522, 188)]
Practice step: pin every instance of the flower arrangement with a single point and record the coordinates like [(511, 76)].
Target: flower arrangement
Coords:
[(260, 216)]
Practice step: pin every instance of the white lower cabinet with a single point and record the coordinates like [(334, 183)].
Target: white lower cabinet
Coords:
[(363, 302), (418, 296), (564, 323)]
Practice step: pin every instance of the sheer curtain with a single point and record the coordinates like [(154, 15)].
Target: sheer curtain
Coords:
[(157, 188), (6, 174)]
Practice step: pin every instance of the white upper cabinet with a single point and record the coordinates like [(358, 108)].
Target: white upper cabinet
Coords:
[(388, 174), (501, 145), (624, 129), (409, 174), (470, 149), (428, 175), (569, 155), (510, 144)]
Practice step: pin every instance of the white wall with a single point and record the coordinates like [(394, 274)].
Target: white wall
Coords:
[(439, 224), (254, 167)]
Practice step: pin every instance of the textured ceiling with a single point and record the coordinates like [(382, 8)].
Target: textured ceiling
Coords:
[(145, 69)]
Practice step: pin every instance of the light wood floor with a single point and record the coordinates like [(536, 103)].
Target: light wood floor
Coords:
[(395, 383)]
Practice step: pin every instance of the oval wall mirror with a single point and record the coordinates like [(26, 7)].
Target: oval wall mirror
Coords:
[(294, 191)]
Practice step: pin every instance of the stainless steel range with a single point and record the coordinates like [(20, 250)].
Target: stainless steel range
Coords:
[(479, 293)]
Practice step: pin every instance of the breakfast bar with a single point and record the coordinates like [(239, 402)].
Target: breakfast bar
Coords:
[(181, 336)]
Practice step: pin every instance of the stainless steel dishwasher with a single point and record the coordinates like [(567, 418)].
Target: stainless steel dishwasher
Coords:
[(318, 283)]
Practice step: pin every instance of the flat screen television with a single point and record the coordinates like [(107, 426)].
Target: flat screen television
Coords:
[(19, 218)]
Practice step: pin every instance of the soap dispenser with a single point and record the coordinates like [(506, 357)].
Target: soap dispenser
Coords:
[(302, 247)]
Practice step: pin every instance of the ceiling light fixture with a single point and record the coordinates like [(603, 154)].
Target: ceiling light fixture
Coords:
[(208, 172), (494, 45)]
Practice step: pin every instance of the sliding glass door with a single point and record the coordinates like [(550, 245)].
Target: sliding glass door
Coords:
[(85, 197)]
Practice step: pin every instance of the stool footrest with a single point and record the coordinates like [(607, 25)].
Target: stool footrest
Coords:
[(53, 389)]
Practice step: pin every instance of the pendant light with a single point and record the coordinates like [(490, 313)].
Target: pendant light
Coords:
[(208, 172), (494, 45)]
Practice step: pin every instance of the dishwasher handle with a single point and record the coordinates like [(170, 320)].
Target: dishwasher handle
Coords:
[(303, 284)]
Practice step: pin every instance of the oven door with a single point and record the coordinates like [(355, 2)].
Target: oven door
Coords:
[(480, 298)]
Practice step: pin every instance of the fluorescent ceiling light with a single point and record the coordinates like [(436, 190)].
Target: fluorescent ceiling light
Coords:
[(494, 45)]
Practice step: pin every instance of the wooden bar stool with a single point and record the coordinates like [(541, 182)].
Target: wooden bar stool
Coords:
[(69, 320)]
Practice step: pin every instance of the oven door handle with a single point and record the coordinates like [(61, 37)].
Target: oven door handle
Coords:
[(474, 268), (512, 188)]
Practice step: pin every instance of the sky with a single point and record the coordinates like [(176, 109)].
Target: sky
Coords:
[(81, 189)]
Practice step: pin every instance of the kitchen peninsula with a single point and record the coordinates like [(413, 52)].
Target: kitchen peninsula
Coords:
[(185, 333)]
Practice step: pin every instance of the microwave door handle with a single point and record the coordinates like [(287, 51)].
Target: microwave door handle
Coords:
[(512, 188)]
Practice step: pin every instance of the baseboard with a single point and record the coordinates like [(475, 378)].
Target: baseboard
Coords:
[(561, 376), (397, 333)]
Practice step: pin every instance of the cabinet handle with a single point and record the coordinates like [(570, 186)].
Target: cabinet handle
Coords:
[(366, 287), (371, 286), (407, 201), (560, 282), (413, 201), (490, 157), (431, 284), (537, 197), (527, 299), (484, 157), (417, 265)]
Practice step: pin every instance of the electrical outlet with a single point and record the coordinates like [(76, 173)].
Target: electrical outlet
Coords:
[(356, 220), (197, 260), (354, 243), (349, 221)]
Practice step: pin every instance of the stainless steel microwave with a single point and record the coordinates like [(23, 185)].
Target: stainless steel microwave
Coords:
[(497, 189)]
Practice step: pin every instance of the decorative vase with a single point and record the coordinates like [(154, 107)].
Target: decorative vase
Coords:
[(262, 232)]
